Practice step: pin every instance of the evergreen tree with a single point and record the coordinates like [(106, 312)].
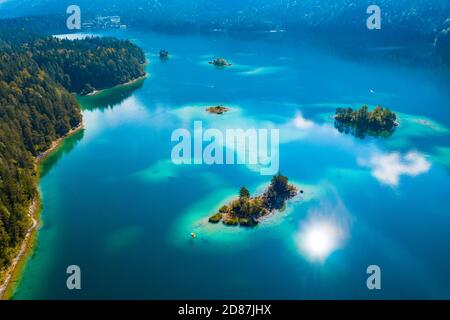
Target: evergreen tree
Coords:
[(381, 122), (37, 75), (244, 193)]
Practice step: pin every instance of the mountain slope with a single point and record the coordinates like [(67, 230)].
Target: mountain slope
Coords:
[(413, 16)]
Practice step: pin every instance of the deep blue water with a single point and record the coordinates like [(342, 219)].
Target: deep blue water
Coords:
[(114, 204)]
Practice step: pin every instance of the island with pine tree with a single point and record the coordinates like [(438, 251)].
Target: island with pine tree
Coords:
[(246, 210), (381, 122), (220, 62)]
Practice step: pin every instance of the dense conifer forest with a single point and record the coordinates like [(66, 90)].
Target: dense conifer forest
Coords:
[(38, 78)]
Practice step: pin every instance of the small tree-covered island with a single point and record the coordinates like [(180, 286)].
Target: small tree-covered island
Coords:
[(217, 110), (163, 54), (381, 122), (246, 210), (220, 62)]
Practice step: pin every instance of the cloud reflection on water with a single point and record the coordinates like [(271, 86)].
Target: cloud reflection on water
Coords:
[(388, 168)]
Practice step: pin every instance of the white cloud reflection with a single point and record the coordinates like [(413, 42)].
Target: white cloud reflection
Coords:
[(256, 71), (385, 167), (302, 123), (388, 168)]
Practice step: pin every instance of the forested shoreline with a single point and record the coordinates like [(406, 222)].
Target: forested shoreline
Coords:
[(38, 79)]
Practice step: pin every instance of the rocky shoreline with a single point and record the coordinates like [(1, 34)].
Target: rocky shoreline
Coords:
[(33, 212)]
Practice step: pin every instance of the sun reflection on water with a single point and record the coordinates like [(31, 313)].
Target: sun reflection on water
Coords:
[(319, 237)]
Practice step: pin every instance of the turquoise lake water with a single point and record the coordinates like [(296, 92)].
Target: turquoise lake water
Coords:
[(115, 205)]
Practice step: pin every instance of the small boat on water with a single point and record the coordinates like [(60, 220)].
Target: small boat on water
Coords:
[(193, 235)]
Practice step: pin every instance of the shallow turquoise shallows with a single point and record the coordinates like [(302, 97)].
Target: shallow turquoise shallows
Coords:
[(115, 204)]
